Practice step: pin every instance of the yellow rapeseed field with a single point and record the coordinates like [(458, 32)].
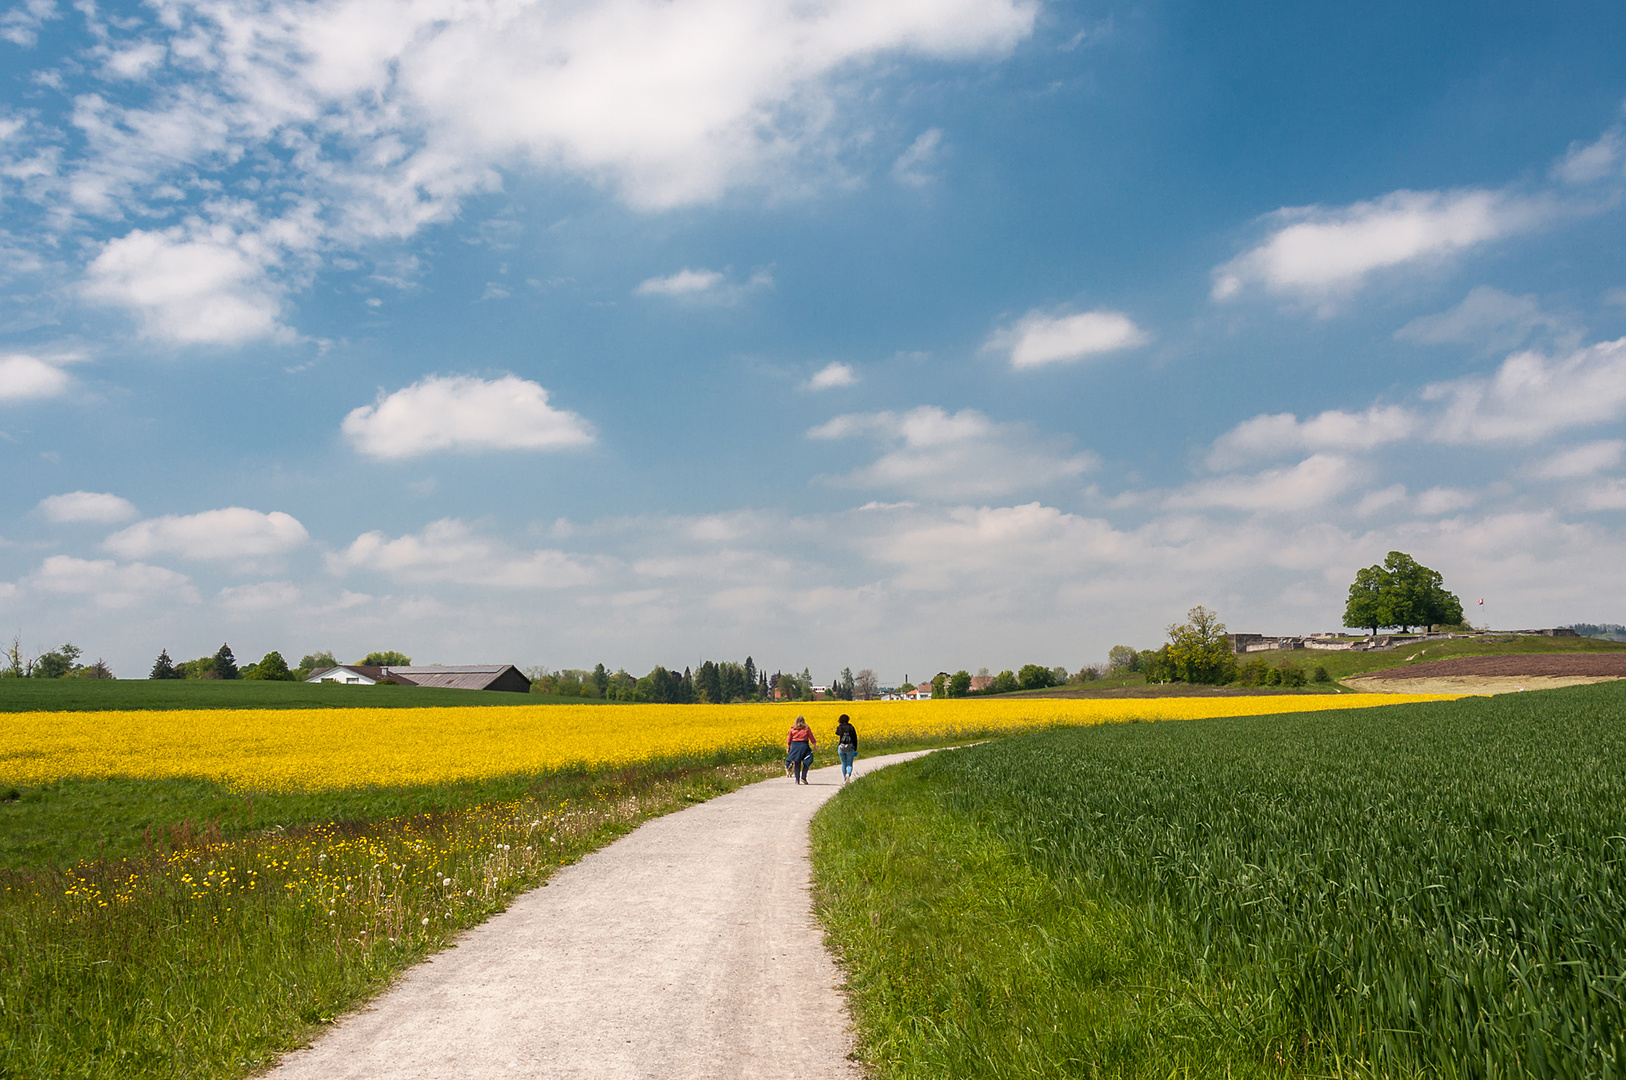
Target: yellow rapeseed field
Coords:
[(327, 749)]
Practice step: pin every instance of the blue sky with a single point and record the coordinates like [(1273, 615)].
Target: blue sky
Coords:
[(912, 336)]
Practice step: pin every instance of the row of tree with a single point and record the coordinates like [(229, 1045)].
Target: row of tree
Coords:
[(269, 668), (712, 683), (61, 662)]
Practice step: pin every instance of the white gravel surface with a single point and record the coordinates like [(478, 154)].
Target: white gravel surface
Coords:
[(686, 949)]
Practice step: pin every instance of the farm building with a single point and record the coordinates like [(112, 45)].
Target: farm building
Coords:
[(447, 676)]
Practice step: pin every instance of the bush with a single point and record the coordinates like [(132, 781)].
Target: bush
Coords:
[(1321, 674)]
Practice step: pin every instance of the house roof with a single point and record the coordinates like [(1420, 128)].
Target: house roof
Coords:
[(448, 676), (452, 676)]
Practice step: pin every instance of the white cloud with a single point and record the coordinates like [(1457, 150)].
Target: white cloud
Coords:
[(21, 25), (1532, 396), (232, 533), (449, 551), (260, 597), (387, 117), (1314, 481), (913, 166), (960, 455), (1374, 501), (108, 583), (832, 376), (1040, 338), (1487, 317), (461, 412), (1443, 500), (24, 377), (134, 62), (1609, 495), (685, 282), (1313, 251), (1601, 159), (1583, 460), (94, 506), (1283, 434), (708, 286), (209, 289)]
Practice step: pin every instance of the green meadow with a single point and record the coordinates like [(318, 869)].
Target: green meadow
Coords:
[(1416, 890)]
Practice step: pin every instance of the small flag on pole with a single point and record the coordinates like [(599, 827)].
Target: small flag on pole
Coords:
[(1481, 601)]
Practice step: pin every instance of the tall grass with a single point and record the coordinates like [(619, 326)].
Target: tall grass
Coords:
[(1431, 889)]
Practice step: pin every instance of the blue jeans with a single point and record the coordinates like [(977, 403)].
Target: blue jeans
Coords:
[(849, 754)]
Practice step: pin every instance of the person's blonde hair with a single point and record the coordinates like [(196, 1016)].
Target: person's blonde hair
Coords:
[(800, 722)]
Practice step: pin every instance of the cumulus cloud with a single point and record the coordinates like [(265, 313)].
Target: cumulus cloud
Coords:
[(108, 583), (1313, 251), (1443, 500), (1601, 159), (685, 282), (1283, 434), (1532, 396), (1040, 338), (260, 597), (1486, 317), (24, 377), (1312, 482), (208, 289), (232, 533), (449, 550), (462, 412), (934, 453), (94, 506), (832, 376), (1584, 460)]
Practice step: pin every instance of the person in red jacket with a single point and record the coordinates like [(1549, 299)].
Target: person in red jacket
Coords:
[(799, 747)]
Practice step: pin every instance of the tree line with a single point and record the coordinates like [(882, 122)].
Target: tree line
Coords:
[(713, 682), (269, 668), (61, 662)]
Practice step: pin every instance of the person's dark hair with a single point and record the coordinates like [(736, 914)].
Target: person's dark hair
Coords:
[(845, 719)]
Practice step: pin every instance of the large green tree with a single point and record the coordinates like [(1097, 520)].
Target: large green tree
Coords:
[(1199, 649), (271, 668), (225, 663), (387, 658), (1400, 592)]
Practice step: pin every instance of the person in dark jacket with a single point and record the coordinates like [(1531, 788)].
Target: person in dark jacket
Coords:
[(846, 746)]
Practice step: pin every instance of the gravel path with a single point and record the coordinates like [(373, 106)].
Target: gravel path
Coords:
[(685, 949)]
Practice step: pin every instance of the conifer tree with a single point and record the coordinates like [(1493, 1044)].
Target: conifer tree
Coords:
[(225, 663), (163, 667)]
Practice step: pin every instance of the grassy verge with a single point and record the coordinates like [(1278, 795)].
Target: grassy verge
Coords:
[(101, 695), (208, 958), (1426, 889)]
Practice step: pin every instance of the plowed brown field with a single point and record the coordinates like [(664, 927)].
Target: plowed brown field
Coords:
[(1593, 665)]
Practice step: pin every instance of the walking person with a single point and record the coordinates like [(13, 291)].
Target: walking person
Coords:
[(846, 746), (799, 747)]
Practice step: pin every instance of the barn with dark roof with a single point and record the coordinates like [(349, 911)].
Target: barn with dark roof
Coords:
[(446, 676)]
